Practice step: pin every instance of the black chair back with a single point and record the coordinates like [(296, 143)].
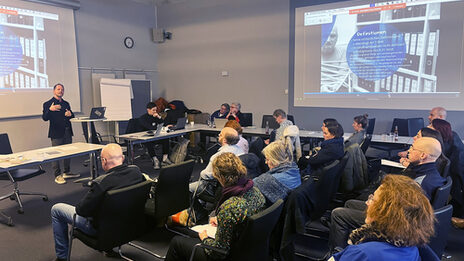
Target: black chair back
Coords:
[(5, 146), (366, 143), (172, 189), (443, 165), (291, 118), (120, 218), (326, 187), (133, 126), (247, 119), (270, 120), (427, 254), (370, 126), (253, 243), (414, 125), (442, 226), (440, 198), (402, 125), (252, 163)]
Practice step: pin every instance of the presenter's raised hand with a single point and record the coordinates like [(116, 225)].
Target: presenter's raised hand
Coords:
[(54, 107), (67, 113)]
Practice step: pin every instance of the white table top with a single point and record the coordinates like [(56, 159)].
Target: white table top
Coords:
[(143, 136), (38, 156)]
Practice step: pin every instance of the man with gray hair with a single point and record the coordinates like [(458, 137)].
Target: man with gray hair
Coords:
[(222, 112), (117, 176), (235, 113), (228, 138), (437, 113)]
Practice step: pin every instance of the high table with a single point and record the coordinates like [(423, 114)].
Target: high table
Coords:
[(29, 158)]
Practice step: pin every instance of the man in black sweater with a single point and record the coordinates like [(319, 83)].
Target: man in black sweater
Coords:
[(58, 112), (117, 176), (149, 121)]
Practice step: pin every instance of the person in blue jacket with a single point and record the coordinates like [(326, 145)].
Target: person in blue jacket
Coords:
[(399, 218)]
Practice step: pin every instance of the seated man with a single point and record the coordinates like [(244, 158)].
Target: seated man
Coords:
[(281, 118), (221, 113), (422, 156), (117, 176), (234, 113), (228, 138), (149, 121)]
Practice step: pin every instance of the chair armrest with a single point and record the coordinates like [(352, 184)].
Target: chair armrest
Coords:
[(204, 246)]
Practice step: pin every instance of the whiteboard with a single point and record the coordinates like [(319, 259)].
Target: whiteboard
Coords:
[(116, 97), (96, 86)]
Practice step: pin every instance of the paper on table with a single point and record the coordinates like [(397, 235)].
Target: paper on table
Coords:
[(210, 230), (392, 164)]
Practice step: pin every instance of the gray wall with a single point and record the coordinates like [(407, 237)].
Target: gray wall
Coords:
[(101, 26), (311, 118), (249, 39)]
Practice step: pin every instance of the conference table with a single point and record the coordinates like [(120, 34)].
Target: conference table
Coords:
[(142, 137), (24, 159)]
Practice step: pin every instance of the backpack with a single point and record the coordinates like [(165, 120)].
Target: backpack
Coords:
[(179, 152)]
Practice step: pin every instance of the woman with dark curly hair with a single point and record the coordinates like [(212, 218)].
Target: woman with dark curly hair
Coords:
[(239, 200), (399, 218)]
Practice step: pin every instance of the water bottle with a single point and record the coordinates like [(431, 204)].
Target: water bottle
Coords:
[(267, 127), (395, 134), (209, 122)]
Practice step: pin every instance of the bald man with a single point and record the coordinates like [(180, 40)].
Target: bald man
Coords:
[(437, 113), (118, 175), (228, 138), (422, 168)]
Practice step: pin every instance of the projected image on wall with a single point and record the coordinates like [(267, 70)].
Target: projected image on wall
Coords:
[(379, 54), (23, 47), (37, 50), (379, 48)]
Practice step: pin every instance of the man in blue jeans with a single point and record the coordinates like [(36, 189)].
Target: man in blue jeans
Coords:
[(117, 176)]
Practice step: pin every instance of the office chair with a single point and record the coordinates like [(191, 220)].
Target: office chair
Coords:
[(370, 126), (414, 125), (247, 119), (271, 121), (291, 118), (171, 195), (442, 226), (440, 198), (121, 218), (17, 175), (253, 242)]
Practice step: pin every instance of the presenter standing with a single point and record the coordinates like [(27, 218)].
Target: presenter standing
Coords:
[(58, 112)]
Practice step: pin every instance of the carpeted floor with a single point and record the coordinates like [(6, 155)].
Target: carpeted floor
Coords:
[(31, 236)]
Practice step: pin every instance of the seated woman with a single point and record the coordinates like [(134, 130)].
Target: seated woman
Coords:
[(283, 175), (451, 140), (359, 126), (242, 143), (239, 200), (331, 149), (399, 218)]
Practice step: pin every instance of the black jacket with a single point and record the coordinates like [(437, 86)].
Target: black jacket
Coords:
[(331, 150), (148, 122), (118, 177), (58, 122)]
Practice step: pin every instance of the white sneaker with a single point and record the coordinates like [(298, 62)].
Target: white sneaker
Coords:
[(70, 175), (60, 180), (156, 163)]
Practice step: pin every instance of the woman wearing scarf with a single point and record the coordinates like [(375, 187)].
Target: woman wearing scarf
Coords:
[(239, 200), (399, 218)]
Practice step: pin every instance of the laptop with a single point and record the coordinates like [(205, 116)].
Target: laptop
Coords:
[(159, 127), (179, 125), (95, 113), (220, 123)]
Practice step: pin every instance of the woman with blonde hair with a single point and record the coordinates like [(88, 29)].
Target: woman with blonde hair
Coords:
[(283, 175), (399, 218), (239, 200)]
